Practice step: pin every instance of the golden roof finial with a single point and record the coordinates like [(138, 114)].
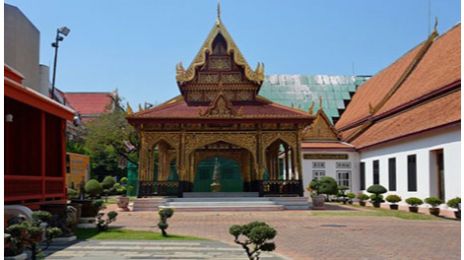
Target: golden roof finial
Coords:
[(129, 109), (218, 18), (320, 102), (140, 107), (435, 27), (311, 108)]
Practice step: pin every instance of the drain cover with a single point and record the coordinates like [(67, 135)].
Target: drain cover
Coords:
[(333, 225)]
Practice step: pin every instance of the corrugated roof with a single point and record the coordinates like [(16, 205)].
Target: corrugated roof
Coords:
[(300, 91), (88, 103)]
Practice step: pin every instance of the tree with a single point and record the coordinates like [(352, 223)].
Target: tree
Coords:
[(109, 140), (324, 185), (257, 236)]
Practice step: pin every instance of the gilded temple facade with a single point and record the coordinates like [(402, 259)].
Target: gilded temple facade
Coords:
[(220, 118)]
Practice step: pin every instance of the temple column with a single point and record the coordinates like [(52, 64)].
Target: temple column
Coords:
[(287, 168)]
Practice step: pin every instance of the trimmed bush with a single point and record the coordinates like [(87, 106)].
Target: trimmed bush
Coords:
[(393, 198), (376, 190), (454, 203), (123, 181), (351, 195), (324, 185), (93, 188), (164, 214), (72, 194), (433, 201), (108, 182), (257, 236), (414, 202), (362, 197)]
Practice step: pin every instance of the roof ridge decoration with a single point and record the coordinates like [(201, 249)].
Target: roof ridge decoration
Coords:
[(220, 107), (321, 129), (373, 109), (184, 75)]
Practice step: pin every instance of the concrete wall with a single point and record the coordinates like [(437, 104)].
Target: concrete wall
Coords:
[(330, 167), (22, 46), (423, 146)]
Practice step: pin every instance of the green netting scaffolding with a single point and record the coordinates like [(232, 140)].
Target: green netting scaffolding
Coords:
[(132, 179)]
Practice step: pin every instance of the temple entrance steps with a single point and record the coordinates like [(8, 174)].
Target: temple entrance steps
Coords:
[(223, 203), (148, 204)]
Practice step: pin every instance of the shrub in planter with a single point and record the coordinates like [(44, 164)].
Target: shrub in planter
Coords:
[(362, 199), (350, 196), (393, 199), (257, 238), (124, 181), (376, 197), (108, 182), (324, 185), (434, 202), (72, 194), (455, 204), (414, 203), (93, 188), (342, 193)]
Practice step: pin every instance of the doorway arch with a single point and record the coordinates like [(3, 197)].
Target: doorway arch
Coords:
[(231, 179)]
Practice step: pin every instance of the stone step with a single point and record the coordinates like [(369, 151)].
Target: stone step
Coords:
[(227, 208), (216, 199), (219, 194)]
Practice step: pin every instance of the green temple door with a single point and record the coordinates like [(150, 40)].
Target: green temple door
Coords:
[(231, 178)]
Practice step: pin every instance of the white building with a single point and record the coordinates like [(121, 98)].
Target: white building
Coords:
[(401, 128)]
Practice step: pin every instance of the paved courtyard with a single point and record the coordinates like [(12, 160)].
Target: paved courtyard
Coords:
[(302, 235)]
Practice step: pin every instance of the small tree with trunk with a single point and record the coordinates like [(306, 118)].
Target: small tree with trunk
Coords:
[(256, 238), (164, 214)]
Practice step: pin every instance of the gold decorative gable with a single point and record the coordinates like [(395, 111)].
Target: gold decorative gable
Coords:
[(220, 107), (320, 129), (185, 75)]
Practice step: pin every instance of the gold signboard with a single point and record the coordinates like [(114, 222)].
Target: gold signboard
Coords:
[(325, 156)]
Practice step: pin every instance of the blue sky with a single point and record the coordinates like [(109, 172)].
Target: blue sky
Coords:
[(134, 45)]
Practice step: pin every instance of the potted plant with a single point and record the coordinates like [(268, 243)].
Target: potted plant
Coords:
[(89, 209), (341, 193), (455, 204), (350, 196), (324, 185), (393, 199), (362, 199), (414, 203), (376, 197), (123, 202), (434, 202)]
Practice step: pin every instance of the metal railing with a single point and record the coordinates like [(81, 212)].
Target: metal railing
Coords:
[(281, 187), (158, 188)]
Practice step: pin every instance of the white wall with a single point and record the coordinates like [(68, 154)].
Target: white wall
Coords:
[(330, 167), (448, 139)]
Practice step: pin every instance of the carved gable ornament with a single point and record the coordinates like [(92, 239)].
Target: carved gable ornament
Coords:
[(320, 129), (220, 107)]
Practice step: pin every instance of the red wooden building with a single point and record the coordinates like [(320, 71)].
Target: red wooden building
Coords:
[(34, 144)]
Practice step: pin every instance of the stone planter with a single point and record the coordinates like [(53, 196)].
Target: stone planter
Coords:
[(394, 206), (362, 203), (434, 211), (318, 202), (123, 203), (87, 208), (457, 214), (78, 208), (413, 209)]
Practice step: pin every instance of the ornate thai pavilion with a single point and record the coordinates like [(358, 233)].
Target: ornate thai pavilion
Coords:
[(220, 118)]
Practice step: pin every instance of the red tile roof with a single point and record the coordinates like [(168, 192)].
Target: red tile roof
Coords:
[(418, 119), (90, 103), (425, 99), (261, 108)]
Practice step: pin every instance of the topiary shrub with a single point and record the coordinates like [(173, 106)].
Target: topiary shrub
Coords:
[(414, 202), (393, 198), (376, 197), (433, 201), (164, 214), (454, 203), (324, 185), (123, 181), (102, 225), (108, 182), (362, 196), (93, 188), (72, 193), (257, 236)]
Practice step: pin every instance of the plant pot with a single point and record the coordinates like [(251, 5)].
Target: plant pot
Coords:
[(350, 202), (434, 211), (457, 214), (123, 203), (362, 203), (413, 209), (376, 204), (88, 210), (318, 202), (394, 206), (78, 208)]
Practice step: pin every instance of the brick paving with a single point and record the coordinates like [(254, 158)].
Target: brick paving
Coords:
[(304, 236)]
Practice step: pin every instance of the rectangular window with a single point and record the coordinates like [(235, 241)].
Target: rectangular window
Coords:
[(375, 171), (392, 174), (319, 165), (344, 178), (362, 175), (343, 165), (318, 173), (412, 173)]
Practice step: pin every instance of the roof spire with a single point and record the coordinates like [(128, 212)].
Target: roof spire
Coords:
[(218, 19)]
